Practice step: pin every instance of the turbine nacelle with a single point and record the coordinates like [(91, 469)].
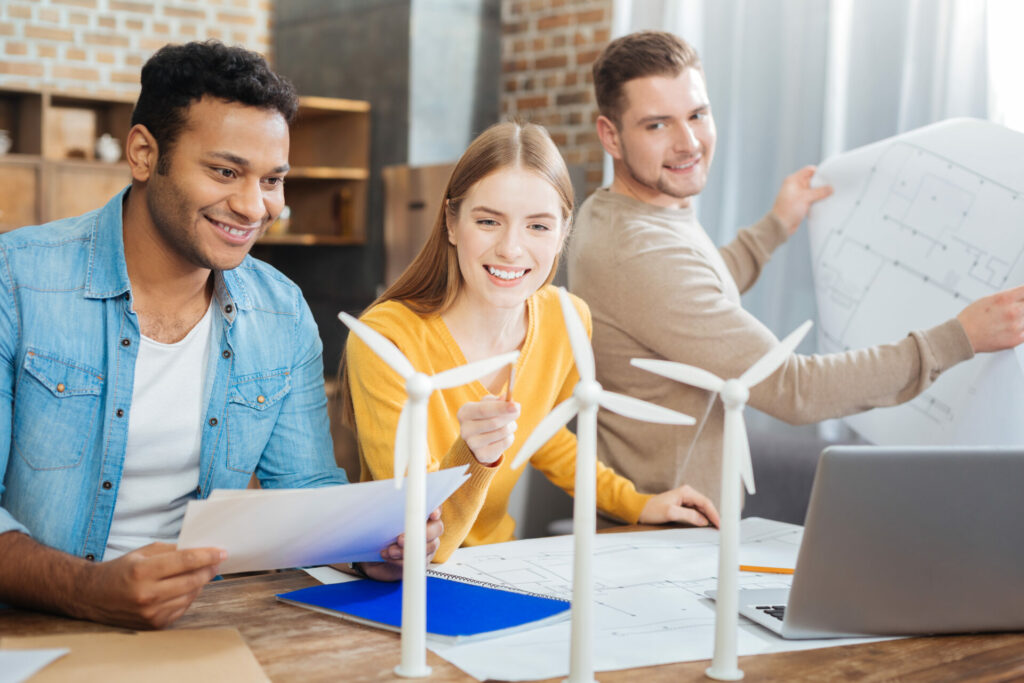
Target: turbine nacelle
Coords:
[(588, 393), (734, 394), (419, 387)]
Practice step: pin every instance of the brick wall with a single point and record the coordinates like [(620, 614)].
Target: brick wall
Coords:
[(547, 50), (99, 46)]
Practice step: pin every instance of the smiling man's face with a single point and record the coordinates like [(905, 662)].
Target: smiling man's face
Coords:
[(224, 185), (665, 139)]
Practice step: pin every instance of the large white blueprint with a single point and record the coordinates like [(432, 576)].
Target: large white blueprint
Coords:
[(920, 225), (649, 589)]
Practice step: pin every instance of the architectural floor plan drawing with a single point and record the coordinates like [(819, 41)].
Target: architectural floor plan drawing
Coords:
[(921, 225), (650, 589)]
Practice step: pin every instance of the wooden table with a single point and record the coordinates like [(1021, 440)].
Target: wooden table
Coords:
[(295, 644)]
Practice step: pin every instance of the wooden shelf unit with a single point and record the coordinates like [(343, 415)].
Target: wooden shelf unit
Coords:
[(327, 185), (51, 171)]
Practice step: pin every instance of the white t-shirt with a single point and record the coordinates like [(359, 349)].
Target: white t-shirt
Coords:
[(161, 464)]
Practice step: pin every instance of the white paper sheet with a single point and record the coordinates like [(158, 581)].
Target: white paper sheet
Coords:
[(329, 575), (274, 529), (919, 226), (18, 665), (650, 592)]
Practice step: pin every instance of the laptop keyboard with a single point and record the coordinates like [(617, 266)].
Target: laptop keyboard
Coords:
[(777, 611)]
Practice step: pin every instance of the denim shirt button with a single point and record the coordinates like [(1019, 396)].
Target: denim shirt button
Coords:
[(213, 422), (199, 491), (119, 412), (261, 399), (90, 557), (226, 353), (229, 308), (126, 342), (107, 486), (60, 387)]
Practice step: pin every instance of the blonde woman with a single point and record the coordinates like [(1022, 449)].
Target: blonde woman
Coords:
[(479, 287)]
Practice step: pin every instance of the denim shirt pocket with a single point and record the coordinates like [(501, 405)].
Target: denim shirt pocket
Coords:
[(254, 403), (57, 405)]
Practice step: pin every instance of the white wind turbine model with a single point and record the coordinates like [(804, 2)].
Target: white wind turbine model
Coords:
[(584, 402), (735, 464), (411, 455)]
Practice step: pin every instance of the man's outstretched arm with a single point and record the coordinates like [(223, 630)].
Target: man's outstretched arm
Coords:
[(147, 588)]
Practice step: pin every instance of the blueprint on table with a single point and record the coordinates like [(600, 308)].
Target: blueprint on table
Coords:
[(919, 226), (650, 598)]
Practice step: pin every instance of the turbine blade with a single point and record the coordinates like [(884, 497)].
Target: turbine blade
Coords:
[(771, 361), (687, 374), (380, 345), (403, 443), (542, 433), (642, 410), (464, 374), (578, 338), (746, 466)]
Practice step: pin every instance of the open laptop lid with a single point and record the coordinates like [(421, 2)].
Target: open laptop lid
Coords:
[(910, 540)]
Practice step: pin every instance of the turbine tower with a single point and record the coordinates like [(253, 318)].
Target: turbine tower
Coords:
[(411, 455), (735, 465), (584, 402)]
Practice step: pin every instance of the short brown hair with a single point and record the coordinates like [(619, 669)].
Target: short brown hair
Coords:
[(640, 54), (178, 76)]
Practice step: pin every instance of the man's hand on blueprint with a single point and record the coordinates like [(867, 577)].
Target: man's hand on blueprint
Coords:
[(795, 198), (995, 322)]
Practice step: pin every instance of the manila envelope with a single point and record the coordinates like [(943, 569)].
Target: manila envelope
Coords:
[(217, 654)]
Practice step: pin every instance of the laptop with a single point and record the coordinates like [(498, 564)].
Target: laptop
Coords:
[(905, 540)]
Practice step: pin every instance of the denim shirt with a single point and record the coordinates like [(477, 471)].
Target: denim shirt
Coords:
[(68, 343)]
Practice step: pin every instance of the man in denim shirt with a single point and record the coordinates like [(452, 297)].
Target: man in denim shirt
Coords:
[(146, 360)]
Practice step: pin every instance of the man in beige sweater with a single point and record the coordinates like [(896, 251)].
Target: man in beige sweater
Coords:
[(658, 287)]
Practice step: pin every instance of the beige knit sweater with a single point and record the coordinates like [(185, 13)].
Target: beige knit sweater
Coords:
[(658, 288)]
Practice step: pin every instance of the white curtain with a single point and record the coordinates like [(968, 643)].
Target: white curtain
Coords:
[(795, 81)]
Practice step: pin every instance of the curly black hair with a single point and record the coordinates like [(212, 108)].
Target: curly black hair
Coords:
[(178, 75)]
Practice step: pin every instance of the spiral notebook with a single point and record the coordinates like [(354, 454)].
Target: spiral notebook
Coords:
[(457, 611)]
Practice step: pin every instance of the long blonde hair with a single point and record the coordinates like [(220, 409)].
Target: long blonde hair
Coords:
[(433, 280)]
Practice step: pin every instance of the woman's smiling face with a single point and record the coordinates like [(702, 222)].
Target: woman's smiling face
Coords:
[(507, 233)]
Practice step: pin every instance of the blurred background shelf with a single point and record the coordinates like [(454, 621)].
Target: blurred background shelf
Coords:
[(52, 170)]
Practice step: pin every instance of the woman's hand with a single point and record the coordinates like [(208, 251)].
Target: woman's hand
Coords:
[(391, 568), (488, 427), (684, 505)]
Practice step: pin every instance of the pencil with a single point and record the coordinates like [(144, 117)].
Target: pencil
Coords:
[(765, 570)]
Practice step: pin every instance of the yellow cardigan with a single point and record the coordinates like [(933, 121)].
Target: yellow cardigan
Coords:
[(545, 376)]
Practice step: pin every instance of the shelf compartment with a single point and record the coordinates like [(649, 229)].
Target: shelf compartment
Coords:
[(72, 124), (20, 115), (324, 208), (331, 136)]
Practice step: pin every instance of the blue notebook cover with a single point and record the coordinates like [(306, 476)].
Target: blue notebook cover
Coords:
[(456, 611)]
